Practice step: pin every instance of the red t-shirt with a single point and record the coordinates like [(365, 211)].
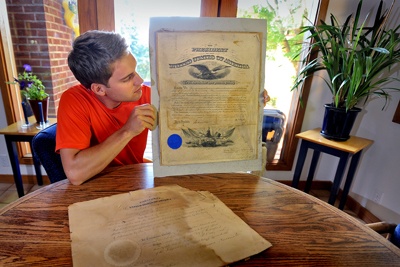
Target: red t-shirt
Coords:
[(83, 121)]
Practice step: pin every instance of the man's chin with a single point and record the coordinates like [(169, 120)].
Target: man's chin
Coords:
[(137, 95)]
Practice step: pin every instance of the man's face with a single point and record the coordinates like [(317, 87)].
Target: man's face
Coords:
[(125, 83)]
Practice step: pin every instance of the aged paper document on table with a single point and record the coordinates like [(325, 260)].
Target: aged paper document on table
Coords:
[(208, 84), (162, 226)]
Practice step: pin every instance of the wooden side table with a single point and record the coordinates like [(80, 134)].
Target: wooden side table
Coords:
[(353, 147), (16, 133)]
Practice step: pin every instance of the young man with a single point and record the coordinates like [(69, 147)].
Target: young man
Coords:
[(104, 120)]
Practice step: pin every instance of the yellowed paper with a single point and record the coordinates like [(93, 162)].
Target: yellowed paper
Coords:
[(162, 226), (209, 87)]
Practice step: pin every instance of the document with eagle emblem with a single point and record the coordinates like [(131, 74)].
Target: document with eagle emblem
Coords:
[(207, 84)]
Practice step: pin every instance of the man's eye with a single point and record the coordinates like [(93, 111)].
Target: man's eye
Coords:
[(130, 77)]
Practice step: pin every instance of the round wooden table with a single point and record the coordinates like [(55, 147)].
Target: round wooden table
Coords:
[(304, 231)]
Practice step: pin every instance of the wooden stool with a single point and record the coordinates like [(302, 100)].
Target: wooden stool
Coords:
[(313, 140)]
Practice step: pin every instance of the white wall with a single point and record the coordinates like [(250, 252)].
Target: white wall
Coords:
[(3, 148), (378, 172), (5, 166)]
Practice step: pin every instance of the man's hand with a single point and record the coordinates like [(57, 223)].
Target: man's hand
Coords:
[(143, 116), (155, 119), (266, 97)]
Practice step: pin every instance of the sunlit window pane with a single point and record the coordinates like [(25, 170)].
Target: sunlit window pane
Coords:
[(132, 21), (284, 18)]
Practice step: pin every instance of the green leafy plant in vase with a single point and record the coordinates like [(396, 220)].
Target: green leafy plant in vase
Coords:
[(358, 60), (33, 90)]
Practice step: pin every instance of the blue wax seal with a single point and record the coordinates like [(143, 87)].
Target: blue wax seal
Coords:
[(174, 141)]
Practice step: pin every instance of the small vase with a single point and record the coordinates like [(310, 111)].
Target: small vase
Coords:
[(28, 108), (36, 109), (25, 111), (337, 123)]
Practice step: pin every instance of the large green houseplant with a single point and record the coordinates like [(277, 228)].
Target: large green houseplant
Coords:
[(357, 59)]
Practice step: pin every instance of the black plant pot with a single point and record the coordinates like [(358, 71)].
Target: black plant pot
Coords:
[(337, 123)]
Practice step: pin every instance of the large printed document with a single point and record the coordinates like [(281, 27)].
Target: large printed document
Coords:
[(162, 226), (207, 81), (208, 107)]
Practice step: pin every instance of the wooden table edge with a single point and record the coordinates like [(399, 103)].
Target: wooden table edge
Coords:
[(31, 195), (335, 210), (340, 213)]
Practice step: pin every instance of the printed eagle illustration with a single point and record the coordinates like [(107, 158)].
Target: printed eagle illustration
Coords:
[(200, 71), (208, 139)]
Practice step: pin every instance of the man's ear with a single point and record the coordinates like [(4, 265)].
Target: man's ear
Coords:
[(98, 89)]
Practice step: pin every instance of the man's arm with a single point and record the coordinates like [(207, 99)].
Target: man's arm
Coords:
[(81, 165)]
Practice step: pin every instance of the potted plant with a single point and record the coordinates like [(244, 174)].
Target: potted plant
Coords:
[(357, 59), (33, 90)]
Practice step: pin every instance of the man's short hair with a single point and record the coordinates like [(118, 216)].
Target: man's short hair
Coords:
[(93, 54)]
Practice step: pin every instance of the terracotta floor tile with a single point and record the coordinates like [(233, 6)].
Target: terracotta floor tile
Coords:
[(27, 188), (36, 187), (2, 205), (8, 196), (5, 186), (10, 193)]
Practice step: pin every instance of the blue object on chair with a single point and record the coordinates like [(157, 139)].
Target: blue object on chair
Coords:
[(273, 120), (396, 236), (44, 145)]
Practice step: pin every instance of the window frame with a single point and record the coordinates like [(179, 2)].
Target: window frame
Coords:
[(11, 98)]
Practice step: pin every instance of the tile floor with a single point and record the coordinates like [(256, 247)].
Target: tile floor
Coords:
[(324, 195), (8, 193)]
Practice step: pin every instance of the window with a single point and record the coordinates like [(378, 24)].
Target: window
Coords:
[(132, 21), (284, 18)]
